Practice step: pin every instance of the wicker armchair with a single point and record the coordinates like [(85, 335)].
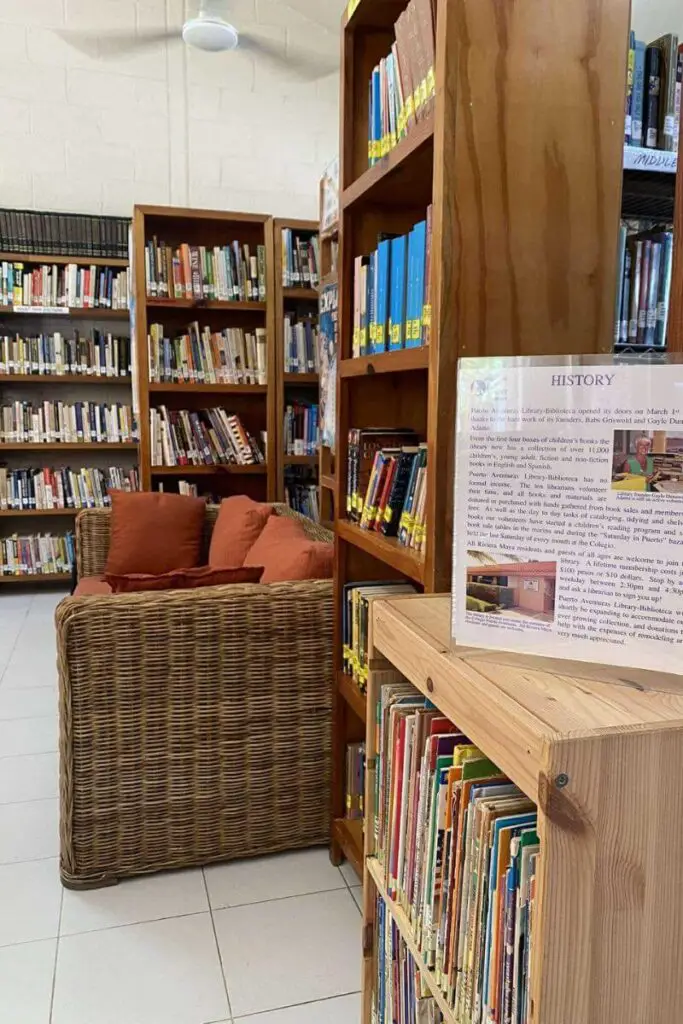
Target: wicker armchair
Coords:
[(195, 726)]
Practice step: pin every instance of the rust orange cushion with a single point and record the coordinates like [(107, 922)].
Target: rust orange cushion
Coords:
[(183, 579), (287, 553), (92, 586), (238, 527), (154, 533)]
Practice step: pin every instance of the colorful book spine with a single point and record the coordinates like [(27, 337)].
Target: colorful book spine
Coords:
[(638, 94)]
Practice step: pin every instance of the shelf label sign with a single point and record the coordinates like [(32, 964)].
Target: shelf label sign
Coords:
[(568, 532), (44, 310), (639, 158)]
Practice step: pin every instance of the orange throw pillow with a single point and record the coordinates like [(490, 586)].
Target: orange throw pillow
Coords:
[(183, 579), (238, 527), (154, 533), (287, 554)]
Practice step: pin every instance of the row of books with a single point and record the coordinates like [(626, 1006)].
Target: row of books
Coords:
[(402, 86), (301, 432), (29, 489), (301, 345), (398, 995), (37, 554), (391, 293), (67, 286), (356, 606), (232, 356), (458, 846), (208, 437), (355, 780), (67, 422), (327, 347), (645, 261), (300, 259), (653, 93), (63, 234), (226, 273), (53, 355), (303, 498), (386, 483)]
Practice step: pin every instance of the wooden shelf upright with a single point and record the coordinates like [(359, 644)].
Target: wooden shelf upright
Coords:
[(525, 216), (256, 404), (329, 243)]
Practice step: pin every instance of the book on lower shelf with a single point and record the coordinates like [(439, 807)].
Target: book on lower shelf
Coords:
[(399, 996), (355, 780), (70, 286), (37, 554), (200, 355), (96, 354), (63, 488), (205, 437), (301, 345), (395, 500), (301, 428), (72, 423), (356, 608), (457, 847), (227, 273), (302, 496), (645, 260), (653, 100), (391, 293), (400, 445), (300, 258)]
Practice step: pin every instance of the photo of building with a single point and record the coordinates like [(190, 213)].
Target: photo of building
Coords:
[(514, 589)]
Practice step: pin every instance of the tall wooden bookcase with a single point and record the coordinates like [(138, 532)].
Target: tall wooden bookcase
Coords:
[(289, 386), (521, 159), (255, 404), (329, 240)]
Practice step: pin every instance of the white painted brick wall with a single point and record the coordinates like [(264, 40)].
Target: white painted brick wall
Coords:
[(96, 133)]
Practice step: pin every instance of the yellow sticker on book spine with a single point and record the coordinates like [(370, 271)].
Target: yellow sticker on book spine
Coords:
[(427, 314), (387, 514), (423, 91), (417, 98), (393, 140), (402, 120), (431, 83), (380, 334), (409, 108), (417, 329), (395, 334)]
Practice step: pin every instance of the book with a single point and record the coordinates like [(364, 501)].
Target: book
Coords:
[(204, 437), (628, 129), (62, 487), (37, 554), (301, 428), (397, 301), (668, 49), (63, 286), (651, 104), (355, 780), (53, 355), (301, 496), (22, 422), (362, 447), (644, 284), (638, 93), (300, 259), (44, 233), (200, 355), (301, 345), (356, 607), (227, 273), (395, 498)]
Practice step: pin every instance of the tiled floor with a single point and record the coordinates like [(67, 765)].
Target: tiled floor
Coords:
[(272, 941)]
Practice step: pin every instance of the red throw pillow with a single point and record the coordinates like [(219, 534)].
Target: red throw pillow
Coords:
[(287, 554), (238, 527), (154, 533), (183, 579)]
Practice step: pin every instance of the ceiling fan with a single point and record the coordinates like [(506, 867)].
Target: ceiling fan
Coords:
[(209, 31)]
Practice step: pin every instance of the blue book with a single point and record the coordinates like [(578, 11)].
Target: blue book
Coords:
[(410, 292), (372, 301), (638, 94), (419, 233), (382, 296), (376, 116), (398, 292)]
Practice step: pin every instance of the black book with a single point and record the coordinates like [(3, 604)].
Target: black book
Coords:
[(397, 494), (653, 84)]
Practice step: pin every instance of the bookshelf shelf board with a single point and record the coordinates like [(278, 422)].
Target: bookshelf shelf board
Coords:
[(199, 305), (328, 279), (352, 694), (330, 233), (394, 177), (348, 833), (386, 549), (401, 361), (209, 389), (54, 577), (64, 378), (303, 294), (12, 513), (328, 481), (74, 313), (300, 460), (259, 470), (638, 158), (301, 378), (68, 446), (81, 261)]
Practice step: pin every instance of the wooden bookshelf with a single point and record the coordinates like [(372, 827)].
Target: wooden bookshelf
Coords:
[(329, 242), (70, 313), (60, 261), (608, 931), (37, 577), (64, 378), (290, 386), (254, 404), (509, 276), (68, 446)]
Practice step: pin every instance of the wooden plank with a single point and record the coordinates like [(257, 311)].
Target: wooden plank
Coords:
[(386, 362), (68, 446), (348, 833), (385, 549), (199, 304), (64, 378), (55, 577), (12, 513), (301, 378), (300, 294), (394, 172), (259, 470), (73, 313), (209, 389), (352, 694), (80, 261)]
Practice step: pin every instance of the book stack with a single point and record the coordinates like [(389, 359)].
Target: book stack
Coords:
[(229, 273), (208, 437), (62, 287), (301, 429), (458, 849), (356, 605), (303, 498), (653, 98), (63, 234), (75, 422), (23, 489), (355, 780), (395, 500), (300, 259), (36, 555), (94, 355), (398, 996), (232, 356), (301, 345), (644, 284), (391, 293), (402, 86)]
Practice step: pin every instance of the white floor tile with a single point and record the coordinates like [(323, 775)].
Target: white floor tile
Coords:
[(163, 972), (270, 878), (313, 944), (35, 702), (29, 831), (349, 873), (28, 736), (170, 894), (340, 1010), (26, 974), (357, 893), (22, 671), (29, 777), (30, 896)]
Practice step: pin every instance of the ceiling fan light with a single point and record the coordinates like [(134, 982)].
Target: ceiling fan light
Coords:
[(211, 34)]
